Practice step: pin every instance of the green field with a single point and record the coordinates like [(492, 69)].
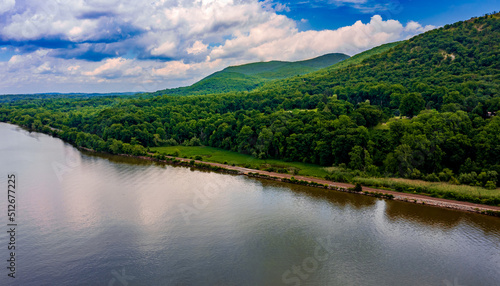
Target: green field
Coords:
[(440, 189), (210, 154), (385, 126)]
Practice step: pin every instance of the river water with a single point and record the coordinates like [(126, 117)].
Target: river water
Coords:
[(84, 219)]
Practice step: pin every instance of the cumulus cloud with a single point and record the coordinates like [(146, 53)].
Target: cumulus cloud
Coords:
[(143, 45), (269, 41), (279, 7), (6, 5), (197, 48), (110, 69), (414, 27)]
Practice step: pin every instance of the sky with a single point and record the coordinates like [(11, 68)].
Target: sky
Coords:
[(148, 45)]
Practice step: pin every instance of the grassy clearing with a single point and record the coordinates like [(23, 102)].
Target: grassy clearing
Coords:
[(385, 126), (439, 186), (381, 126), (210, 154), (435, 189)]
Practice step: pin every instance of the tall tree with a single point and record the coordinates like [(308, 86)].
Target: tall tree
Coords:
[(412, 104)]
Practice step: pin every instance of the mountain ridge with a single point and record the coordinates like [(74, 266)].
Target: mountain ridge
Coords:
[(247, 77)]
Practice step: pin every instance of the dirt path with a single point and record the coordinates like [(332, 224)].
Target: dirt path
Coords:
[(413, 198)]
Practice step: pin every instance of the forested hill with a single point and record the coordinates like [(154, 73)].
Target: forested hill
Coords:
[(452, 68), (445, 82), (249, 76), (281, 69)]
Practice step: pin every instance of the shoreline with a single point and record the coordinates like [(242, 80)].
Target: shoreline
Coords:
[(322, 183)]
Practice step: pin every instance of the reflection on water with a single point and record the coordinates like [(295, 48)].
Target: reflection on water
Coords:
[(340, 199), (436, 217), (87, 219)]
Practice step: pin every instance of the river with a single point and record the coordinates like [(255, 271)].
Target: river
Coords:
[(86, 219)]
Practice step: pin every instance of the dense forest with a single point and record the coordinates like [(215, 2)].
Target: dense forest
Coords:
[(425, 108), (5, 98)]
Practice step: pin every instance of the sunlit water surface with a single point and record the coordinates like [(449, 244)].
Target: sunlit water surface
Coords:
[(85, 219)]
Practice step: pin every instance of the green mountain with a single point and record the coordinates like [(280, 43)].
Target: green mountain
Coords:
[(354, 60), (250, 76), (358, 58), (280, 69)]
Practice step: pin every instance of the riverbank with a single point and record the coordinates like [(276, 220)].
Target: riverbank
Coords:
[(437, 189), (325, 184)]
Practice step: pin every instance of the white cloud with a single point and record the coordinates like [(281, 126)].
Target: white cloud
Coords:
[(110, 65), (269, 42), (23, 62), (44, 68), (165, 49), (197, 48), (6, 5), (281, 7), (165, 43), (177, 68), (414, 27), (73, 68)]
